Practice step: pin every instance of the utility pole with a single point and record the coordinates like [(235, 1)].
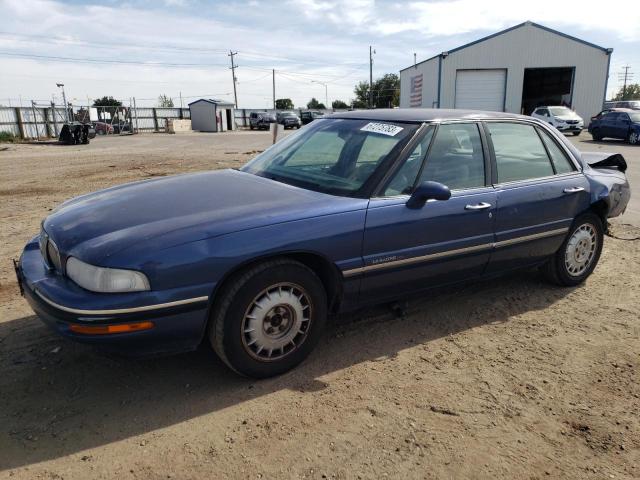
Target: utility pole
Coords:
[(625, 76), (233, 73), (274, 88), (181, 101), (371, 52)]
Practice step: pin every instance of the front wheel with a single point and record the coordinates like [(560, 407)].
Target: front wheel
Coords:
[(575, 134), (579, 253), (268, 318), (634, 138)]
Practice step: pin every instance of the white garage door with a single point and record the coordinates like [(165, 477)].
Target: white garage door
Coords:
[(480, 89)]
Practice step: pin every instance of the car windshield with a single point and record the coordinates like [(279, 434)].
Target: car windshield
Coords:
[(288, 114), (560, 111), (634, 116), (335, 156)]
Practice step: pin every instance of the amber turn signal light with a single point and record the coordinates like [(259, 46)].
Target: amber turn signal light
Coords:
[(109, 329)]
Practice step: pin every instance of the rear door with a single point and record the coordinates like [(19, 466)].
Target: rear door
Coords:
[(608, 124), (620, 128), (407, 249), (540, 190)]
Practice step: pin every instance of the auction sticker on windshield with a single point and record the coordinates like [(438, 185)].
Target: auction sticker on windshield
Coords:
[(382, 128)]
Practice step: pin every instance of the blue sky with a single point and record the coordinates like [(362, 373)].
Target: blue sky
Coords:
[(146, 48)]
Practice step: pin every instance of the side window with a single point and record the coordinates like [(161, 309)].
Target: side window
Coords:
[(558, 157), (456, 158), (519, 152), (405, 177)]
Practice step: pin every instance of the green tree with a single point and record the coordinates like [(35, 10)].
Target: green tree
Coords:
[(284, 104), (315, 104), (110, 104), (339, 105), (386, 91), (632, 92), (361, 92), (164, 101)]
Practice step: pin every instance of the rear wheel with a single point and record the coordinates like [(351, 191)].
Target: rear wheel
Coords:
[(250, 127), (596, 135), (268, 318), (633, 138), (579, 253)]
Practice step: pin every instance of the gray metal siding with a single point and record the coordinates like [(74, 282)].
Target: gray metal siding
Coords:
[(429, 71), (530, 47), (203, 117)]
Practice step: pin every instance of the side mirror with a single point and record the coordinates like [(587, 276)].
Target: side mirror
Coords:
[(428, 191)]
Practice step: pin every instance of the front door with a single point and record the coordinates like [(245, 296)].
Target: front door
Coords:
[(408, 249), (540, 192)]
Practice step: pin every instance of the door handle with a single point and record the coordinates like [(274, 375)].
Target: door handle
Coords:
[(478, 206), (573, 190)]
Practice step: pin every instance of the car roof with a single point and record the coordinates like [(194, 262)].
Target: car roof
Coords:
[(422, 115)]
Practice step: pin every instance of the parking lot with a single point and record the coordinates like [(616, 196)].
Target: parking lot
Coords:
[(509, 378)]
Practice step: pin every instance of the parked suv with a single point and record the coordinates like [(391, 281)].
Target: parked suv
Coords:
[(310, 116), (624, 125), (563, 118), (289, 120), (261, 120)]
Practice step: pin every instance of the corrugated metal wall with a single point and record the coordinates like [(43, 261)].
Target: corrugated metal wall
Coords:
[(429, 71), (532, 47), (524, 47)]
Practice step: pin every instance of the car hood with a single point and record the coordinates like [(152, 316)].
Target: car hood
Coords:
[(162, 213), (564, 118)]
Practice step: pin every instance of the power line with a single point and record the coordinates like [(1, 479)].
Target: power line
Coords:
[(627, 76), (107, 61)]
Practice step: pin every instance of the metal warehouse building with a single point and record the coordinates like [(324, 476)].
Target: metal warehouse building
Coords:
[(514, 70)]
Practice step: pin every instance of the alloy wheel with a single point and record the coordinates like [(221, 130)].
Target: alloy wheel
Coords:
[(277, 322), (581, 249)]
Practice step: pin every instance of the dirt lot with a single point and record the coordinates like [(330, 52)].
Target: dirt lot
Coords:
[(511, 378)]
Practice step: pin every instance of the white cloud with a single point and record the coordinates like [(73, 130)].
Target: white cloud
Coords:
[(328, 38)]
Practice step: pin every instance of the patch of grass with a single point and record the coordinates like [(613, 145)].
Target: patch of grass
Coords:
[(7, 137)]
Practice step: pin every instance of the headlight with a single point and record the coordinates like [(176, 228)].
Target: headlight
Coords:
[(105, 280)]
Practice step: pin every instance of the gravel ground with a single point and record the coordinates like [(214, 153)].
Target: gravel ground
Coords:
[(509, 378)]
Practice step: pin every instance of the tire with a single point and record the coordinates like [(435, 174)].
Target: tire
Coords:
[(579, 254), (575, 134), (100, 132), (277, 303), (633, 138), (596, 135), (250, 127)]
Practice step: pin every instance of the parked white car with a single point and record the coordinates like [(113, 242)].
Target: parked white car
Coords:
[(563, 118)]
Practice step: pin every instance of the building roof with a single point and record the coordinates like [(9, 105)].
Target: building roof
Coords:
[(214, 102), (419, 115), (520, 25)]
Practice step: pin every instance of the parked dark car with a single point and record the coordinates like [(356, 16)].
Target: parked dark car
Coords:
[(310, 116), (289, 120), (103, 128), (622, 125), (121, 127), (261, 120), (607, 110), (356, 209)]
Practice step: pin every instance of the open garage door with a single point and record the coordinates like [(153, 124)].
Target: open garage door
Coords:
[(481, 89)]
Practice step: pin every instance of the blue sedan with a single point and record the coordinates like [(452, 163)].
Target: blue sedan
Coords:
[(355, 209), (620, 124)]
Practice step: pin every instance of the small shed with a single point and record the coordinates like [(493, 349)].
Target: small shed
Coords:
[(210, 115)]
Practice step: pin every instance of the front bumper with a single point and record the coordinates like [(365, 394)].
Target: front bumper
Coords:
[(576, 127), (178, 323)]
